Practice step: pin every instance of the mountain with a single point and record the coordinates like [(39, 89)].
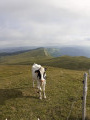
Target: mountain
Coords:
[(12, 53), (29, 56), (69, 51), (16, 49), (53, 51), (44, 56)]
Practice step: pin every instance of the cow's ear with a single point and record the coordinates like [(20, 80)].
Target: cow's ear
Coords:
[(45, 69), (36, 71)]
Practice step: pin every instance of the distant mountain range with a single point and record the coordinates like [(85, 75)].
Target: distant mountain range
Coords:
[(53, 51), (48, 57), (24, 57), (69, 51), (15, 49)]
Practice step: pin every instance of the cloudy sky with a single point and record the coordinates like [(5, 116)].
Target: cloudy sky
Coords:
[(44, 22)]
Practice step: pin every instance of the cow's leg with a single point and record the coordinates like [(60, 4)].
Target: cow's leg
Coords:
[(38, 84), (33, 82), (40, 89), (43, 87), (40, 93)]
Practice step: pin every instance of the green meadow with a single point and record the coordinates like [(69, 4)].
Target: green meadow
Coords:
[(64, 88), (20, 101)]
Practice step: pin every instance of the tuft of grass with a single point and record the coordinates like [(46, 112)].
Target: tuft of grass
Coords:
[(20, 101)]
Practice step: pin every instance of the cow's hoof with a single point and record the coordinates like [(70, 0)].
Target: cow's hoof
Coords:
[(40, 98), (44, 97)]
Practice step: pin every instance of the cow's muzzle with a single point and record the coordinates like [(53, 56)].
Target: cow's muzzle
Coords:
[(42, 80)]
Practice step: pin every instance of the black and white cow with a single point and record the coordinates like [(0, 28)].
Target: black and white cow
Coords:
[(39, 75)]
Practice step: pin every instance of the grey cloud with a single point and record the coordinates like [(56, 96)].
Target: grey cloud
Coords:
[(36, 11), (40, 22)]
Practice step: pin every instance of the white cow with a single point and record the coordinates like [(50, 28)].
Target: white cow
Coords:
[(39, 75)]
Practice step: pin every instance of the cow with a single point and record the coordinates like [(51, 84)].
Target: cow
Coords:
[(39, 75)]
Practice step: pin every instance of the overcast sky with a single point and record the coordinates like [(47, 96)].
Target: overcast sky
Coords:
[(44, 22)]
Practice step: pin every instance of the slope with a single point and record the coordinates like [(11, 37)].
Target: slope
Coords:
[(25, 57), (69, 62), (42, 56)]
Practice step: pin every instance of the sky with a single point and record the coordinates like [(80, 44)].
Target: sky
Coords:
[(44, 23)]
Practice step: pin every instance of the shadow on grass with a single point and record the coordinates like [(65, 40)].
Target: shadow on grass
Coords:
[(33, 97), (6, 94)]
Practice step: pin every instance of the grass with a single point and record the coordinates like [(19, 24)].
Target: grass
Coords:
[(68, 62), (19, 101), (42, 56), (28, 57)]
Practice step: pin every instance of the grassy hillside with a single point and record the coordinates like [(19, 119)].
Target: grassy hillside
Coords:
[(19, 101), (26, 57), (68, 62), (13, 53), (41, 56)]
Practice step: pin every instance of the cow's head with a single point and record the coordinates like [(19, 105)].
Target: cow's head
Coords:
[(41, 74)]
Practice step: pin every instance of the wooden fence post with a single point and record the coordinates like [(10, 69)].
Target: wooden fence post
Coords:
[(89, 73), (84, 97)]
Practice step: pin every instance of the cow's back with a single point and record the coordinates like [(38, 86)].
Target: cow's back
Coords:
[(34, 68)]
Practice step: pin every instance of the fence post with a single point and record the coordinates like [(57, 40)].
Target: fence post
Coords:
[(84, 97), (89, 73)]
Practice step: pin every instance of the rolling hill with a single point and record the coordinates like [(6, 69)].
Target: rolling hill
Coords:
[(69, 62), (54, 51), (43, 56), (25, 57)]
